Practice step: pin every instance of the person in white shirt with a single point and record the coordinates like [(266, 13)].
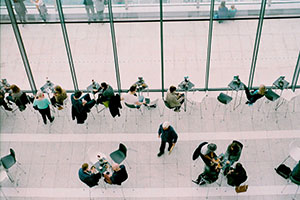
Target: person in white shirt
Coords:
[(131, 97)]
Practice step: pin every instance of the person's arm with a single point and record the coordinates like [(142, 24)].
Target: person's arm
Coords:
[(159, 131), (174, 135)]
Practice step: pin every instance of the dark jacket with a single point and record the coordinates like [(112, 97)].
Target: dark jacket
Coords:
[(168, 135), (89, 178), (78, 110), (236, 177), (296, 172), (120, 176), (115, 105)]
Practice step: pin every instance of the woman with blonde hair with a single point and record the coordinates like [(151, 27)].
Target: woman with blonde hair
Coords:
[(42, 105), (255, 95)]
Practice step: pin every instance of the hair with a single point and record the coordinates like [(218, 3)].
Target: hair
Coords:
[(232, 7), (104, 85), (77, 94), (238, 166), (262, 89), (84, 166), (58, 89), (14, 88), (222, 4), (166, 124), (132, 88), (172, 89), (39, 94)]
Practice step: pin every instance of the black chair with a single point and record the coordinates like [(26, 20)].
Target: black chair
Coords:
[(224, 99), (119, 155), (8, 161)]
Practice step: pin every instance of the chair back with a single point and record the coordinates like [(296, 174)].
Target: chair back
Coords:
[(12, 153), (130, 105), (9, 160), (272, 96), (123, 149), (224, 98), (239, 143), (197, 151), (167, 104)]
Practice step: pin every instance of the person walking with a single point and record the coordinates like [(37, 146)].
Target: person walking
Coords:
[(99, 5), (167, 134), (41, 6), (20, 10), (42, 105)]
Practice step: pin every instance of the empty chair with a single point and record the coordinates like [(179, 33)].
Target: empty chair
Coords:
[(119, 155), (224, 99), (8, 161)]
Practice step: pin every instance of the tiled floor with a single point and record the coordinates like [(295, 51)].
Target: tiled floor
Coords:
[(52, 154)]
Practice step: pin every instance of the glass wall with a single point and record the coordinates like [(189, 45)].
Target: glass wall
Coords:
[(10, 58)]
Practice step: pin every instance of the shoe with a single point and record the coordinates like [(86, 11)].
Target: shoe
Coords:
[(202, 183), (159, 154), (9, 109), (52, 119), (247, 102), (196, 181)]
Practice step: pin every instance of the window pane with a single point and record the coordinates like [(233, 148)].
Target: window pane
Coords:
[(92, 53), (278, 51), (185, 45), (12, 67), (47, 54)]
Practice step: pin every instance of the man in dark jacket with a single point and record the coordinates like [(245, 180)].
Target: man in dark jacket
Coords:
[(89, 177), (81, 106), (236, 176), (118, 177), (167, 134), (296, 172)]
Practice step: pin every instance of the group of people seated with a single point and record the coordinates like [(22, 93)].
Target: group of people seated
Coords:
[(224, 12), (92, 176), (235, 173)]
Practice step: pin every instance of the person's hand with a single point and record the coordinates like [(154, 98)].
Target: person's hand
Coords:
[(227, 162), (84, 102), (158, 136)]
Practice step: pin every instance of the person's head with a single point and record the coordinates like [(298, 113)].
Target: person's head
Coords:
[(85, 166), (262, 89), (234, 147), (211, 147), (77, 94), (172, 89), (40, 95), (132, 88), (222, 4), (58, 89), (238, 166), (166, 125), (104, 86), (14, 88), (232, 7), (115, 167)]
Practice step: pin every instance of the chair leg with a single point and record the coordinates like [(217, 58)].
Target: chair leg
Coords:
[(123, 193), (294, 198), (10, 177), (19, 166), (285, 186), (3, 194)]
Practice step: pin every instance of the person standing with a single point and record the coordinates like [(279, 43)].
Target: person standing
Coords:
[(167, 134), (20, 10), (41, 6), (99, 5), (81, 106), (89, 7), (42, 104)]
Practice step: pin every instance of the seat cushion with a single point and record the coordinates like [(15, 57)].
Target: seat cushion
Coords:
[(8, 161), (117, 156), (224, 98)]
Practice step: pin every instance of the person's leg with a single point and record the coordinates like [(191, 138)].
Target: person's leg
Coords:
[(88, 12), (53, 101), (48, 114), (42, 111), (170, 145), (101, 15), (162, 147)]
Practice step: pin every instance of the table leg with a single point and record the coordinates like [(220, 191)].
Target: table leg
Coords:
[(185, 100)]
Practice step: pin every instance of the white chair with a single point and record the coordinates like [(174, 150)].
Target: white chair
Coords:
[(198, 97), (290, 97), (294, 151), (136, 109)]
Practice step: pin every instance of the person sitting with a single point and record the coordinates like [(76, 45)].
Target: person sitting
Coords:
[(58, 97), (18, 97), (232, 11), (107, 93), (132, 99), (236, 176), (81, 106), (255, 95), (295, 174), (118, 177), (222, 11), (90, 177), (3, 102), (174, 99), (42, 105), (232, 154)]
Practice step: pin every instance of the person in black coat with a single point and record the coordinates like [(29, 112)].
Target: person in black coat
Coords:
[(167, 134), (236, 176), (115, 105), (118, 177), (89, 177), (81, 106), (296, 172)]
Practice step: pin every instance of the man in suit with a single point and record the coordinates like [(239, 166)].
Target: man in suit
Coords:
[(81, 106), (89, 177), (167, 134), (118, 177)]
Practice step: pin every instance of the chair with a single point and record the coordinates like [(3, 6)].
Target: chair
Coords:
[(119, 155), (130, 107), (297, 182), (294, 152), (272, 97), (224, 99), (168, 106), (152, 105), (198, 97), (8, 161)]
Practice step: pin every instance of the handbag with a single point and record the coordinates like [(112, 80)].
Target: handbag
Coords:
[(241, 188)]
